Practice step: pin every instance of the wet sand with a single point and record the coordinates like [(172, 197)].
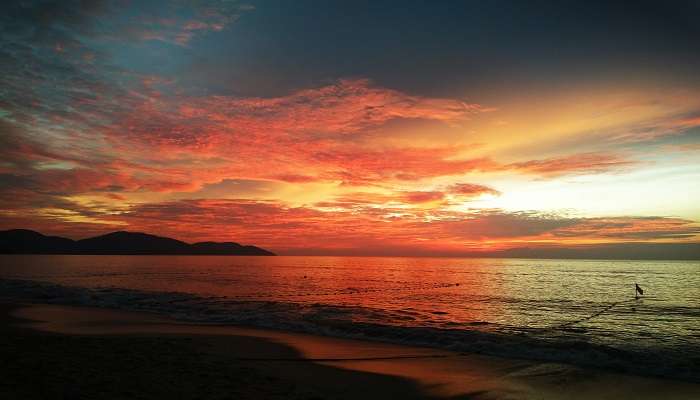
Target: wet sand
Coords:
[(78, 352)]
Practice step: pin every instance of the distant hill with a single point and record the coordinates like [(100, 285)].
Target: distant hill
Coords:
[(24, 241)]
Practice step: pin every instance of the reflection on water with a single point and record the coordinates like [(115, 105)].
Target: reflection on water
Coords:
[(552, 300)]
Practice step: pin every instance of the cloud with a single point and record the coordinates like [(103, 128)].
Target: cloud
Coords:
[(318, 131), (575, 164), (355, 228), (358, 166), (658, 128), (686, 147), (179, 23), (150, 143), (203, 124), (294, 178), (471, 190), (632, 228), (398, 202), (498, 224), (61, 23), (423, 197), (111, 129)]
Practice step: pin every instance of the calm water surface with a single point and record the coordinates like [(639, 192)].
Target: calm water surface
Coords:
[(578, 311)]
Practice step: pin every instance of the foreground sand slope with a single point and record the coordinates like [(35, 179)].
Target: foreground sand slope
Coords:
[(71, 352)]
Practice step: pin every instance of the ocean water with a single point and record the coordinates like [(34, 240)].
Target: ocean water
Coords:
[(582, 312)]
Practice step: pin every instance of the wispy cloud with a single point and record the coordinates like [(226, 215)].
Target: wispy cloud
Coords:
[(575, 164)]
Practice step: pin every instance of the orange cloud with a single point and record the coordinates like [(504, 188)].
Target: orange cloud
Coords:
[(583, 163), (472, 190), (215, 124), (423, 197), (355, 165), (318, 131), (632, 228)]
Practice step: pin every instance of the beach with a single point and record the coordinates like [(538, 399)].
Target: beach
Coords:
[(54, 351)]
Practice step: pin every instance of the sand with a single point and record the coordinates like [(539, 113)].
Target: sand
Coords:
[(85, 353)]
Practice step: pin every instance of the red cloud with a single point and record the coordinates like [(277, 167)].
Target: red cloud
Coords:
[(294, 178), (206, 123), (115, 196), (358, 201), (472, 190), (317, 131), (423, 197), (344, 107), (156, 143)]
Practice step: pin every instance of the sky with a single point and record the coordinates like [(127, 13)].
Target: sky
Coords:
[(312, 127)]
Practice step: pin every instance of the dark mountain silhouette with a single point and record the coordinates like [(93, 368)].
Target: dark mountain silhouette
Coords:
[(23, 241), (221, 248)]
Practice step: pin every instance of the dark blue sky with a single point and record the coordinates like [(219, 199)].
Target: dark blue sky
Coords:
[(442, 48)]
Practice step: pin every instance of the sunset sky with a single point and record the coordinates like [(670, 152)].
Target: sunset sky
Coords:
[(314, 127)]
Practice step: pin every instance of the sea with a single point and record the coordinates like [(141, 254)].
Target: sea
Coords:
[(580, 312)]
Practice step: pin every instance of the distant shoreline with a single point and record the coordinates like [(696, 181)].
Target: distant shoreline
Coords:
[(28, 242)]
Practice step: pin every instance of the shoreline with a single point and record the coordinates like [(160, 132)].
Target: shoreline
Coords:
[(586, 355), (300, 365)]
